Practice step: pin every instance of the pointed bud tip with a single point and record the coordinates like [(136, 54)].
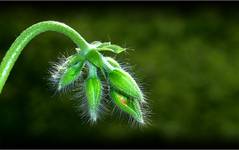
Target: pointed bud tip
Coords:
[(141, 121), (59, 88), (93, 116)]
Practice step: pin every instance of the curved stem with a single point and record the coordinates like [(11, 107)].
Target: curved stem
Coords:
[(27, 35)]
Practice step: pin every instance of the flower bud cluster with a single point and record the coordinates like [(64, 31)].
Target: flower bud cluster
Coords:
[(123, 89)]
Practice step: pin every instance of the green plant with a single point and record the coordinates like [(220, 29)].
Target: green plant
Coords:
[(124, 91)]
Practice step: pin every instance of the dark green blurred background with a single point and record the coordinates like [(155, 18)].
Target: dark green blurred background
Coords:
[(185, 54)]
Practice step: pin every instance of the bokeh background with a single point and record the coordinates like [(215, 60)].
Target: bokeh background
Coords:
[(186, 55)]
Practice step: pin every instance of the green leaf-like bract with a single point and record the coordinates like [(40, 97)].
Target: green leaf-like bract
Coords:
[(96, 43), (104, 44), (107, 46)]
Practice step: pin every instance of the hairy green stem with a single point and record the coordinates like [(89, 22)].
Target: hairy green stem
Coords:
[(92, 70), (27, 35)]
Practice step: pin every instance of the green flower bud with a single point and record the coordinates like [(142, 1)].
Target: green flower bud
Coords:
[(122, 81), (113, 62), (70, 75), (93, 89), (130, 106), (70, 71)]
